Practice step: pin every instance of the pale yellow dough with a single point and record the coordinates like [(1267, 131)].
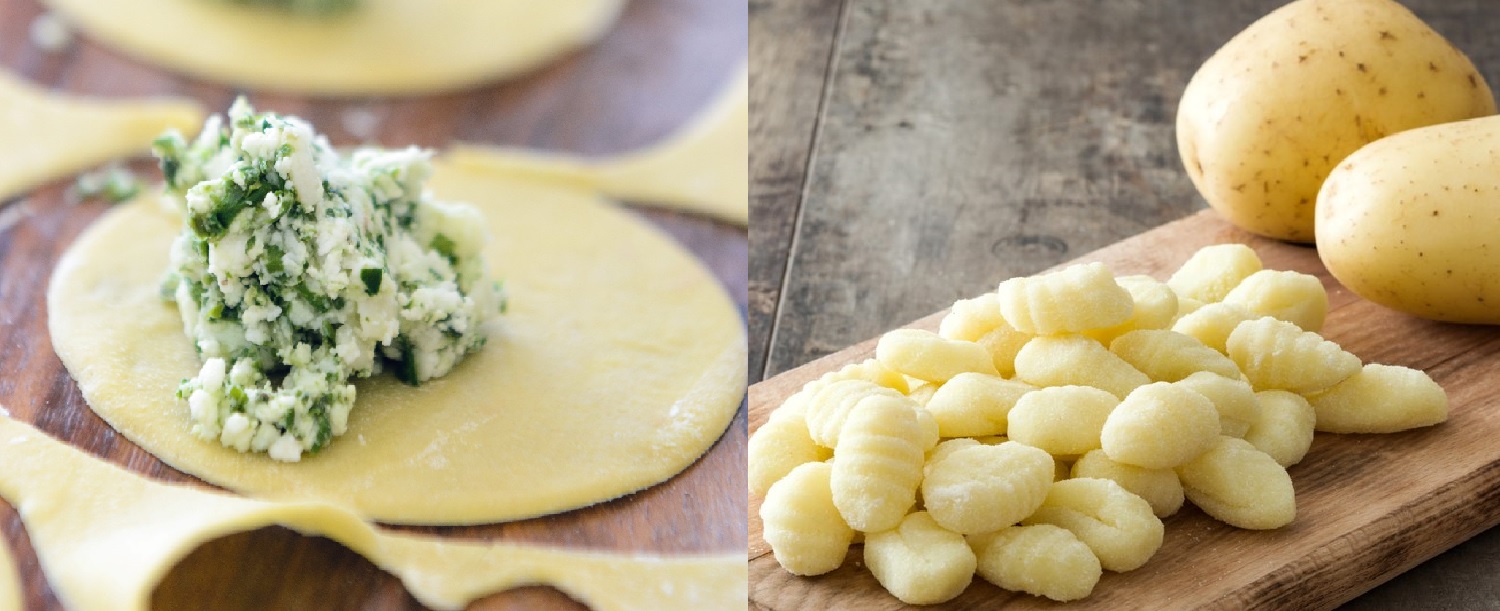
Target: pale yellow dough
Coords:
[(381, 47), (620, 362), (703, 168), (46, 135), (105, 537)]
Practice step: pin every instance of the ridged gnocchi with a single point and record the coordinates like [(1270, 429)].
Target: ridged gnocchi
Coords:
[(1232, 398), (1212, 272), (1381, 399), (1285, 427), (926, 356), (983, 488), (1062, 420), (1130, 397), (1003, 343), (1155, 307), (877, 464), (1077, 298), (1159, 487), (970, 319), (975, 404), (1240, 486), (919, 561), (1294, 297), (1160, 426), (1212, 323), (800, 523), (1118, 526), (1169, 356), (829, 408), (1076, 361), (776, 448), (1041, 560), (1278, 355)]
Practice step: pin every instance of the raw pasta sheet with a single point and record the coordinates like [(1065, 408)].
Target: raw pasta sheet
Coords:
[(619, 363), (377, 47)]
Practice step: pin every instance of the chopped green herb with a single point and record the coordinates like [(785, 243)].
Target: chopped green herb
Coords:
[(371, 277)]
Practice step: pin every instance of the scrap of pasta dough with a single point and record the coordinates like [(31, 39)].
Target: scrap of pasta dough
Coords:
[(619, 363), (379, 47), (46, 135), (105, 537), (702, 168)]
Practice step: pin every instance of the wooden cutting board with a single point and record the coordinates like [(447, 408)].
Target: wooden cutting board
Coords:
[(1368, 506), (660, 64)]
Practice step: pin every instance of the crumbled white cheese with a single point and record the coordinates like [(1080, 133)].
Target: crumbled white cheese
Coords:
[(299, 269)]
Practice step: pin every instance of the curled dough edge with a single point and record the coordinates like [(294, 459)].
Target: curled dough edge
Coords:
[(703, 168), (106, 537)]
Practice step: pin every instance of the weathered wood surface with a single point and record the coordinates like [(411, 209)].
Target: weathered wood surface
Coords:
[(960, 142), (1368, 506), (665, 60)]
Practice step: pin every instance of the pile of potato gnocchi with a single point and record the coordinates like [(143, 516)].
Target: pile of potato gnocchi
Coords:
[(1041, 435)]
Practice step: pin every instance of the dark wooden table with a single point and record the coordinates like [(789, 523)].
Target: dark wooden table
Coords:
[(662, 62), (907, 154)]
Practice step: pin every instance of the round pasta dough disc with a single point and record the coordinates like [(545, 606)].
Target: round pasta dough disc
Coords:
[(619, 362), (379, 47)]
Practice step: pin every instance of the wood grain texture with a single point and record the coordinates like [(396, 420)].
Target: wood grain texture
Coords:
[(961, 142), (662, 63), (1369, 506), (791, 43)]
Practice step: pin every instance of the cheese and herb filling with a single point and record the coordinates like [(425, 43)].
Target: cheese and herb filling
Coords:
[(299, 269)]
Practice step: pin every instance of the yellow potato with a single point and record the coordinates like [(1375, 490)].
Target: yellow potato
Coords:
[(1264, 121), (1409, 222)]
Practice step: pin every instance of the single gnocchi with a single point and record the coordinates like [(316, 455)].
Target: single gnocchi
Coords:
[(1077, 298), (1275, 354), (1240, 486), (927, 356), (1041, 560), (1169, 356), (1232, 398), (877, 464), (919, 561), (975, 404), (1381, 399), (1294, 297), (970, 319), (1003, 343), (1155, 307), (982, 488), (1160, 426), (776, 448), (1076, 361), (1212, 272), (829, 409), (1062, 420), (800, 523), (1120, 527), (1284, 430), (1212, 323), (1159, 487)]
